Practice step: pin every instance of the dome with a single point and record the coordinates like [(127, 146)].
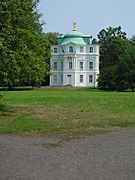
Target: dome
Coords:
[(74, 37), (73, 34)]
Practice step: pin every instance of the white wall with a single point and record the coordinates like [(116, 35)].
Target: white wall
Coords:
[(75, 72)]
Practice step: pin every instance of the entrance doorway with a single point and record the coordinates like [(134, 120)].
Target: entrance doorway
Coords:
[(69, 79)]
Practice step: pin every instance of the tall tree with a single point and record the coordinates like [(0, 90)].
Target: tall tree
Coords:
[(24, 51), (124, 75), (111, 32), (112, 45), (130, 58), (120, 76)]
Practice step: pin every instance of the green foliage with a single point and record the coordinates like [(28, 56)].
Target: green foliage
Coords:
[(131, 79), (111, 50), (121, 76), (106, 77), (130, 58), (124, 75), (51, 37), (132, 40), (94, 41), (117, 58), (111, 32), (24, 52)]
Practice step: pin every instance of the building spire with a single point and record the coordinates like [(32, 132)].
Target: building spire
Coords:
[(75, 26)]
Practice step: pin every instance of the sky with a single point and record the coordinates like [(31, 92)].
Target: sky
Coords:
[(91, 15)]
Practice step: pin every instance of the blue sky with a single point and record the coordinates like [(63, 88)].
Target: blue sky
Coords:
[(91, 15)]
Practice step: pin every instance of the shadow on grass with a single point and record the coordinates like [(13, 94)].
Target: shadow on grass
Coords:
[(16, 89)]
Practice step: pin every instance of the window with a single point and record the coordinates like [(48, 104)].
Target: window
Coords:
[(61, 65), (55, 78), (70, 65), (71, 49), (91, 50), (81, 65), (90, 78), (90, 65), (62, 48), (55, 50), (81, 78), (81, 49), (61, 78), (55, 66)]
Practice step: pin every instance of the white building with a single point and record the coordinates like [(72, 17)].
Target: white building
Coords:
[(74, 61)]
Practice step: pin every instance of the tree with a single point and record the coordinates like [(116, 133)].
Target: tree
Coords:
[(111, 32), (94, 41), (131, 79), (113, 43), (117, 60), (111, 52), (52, 38), (24, 51), (130, 58), (132, 40), (121, 76)]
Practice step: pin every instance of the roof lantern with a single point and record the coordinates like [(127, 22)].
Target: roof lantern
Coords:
[(75, 26)]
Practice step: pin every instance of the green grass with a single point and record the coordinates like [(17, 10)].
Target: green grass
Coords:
[(24, 123), (69, 112)]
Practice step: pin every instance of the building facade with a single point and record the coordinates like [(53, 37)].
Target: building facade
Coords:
[(74, 61)]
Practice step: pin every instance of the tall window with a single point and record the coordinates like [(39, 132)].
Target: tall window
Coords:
[(91, 50), (55, 65), (62, 48), (70, 65), (71, 49), (55, 50), (61, 65), (81, 78), (81, 49), (90, 65), (81, 65), (55, 78), (90, 78), (61, 78)]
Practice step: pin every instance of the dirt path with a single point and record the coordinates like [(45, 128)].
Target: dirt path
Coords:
[(102, 157)]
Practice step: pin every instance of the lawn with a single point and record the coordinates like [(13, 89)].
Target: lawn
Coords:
[(65, 112)]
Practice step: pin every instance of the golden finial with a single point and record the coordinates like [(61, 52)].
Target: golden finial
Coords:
[(75, 26)]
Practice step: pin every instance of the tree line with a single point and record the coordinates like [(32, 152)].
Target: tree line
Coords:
[(25, 50), (117, 60)]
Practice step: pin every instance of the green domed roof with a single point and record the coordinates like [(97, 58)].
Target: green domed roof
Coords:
[(74, 37), (78, 41), (73, 34)]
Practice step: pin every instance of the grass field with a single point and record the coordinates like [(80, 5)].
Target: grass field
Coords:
[(67, 112)]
